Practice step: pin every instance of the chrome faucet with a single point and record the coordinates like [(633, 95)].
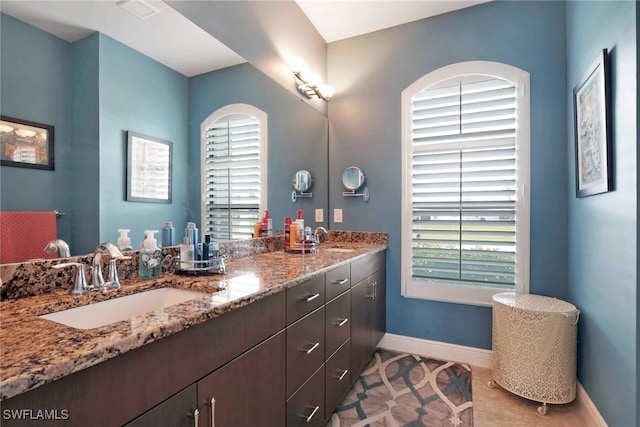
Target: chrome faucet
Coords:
[(324, 230), (79, 282), (97, 281), (60, 246)]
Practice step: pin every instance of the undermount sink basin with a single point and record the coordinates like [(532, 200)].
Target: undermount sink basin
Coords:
[(339, 250), (123, 308)]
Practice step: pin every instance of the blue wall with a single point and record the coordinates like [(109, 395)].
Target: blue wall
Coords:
[(85, 147), (33, 60), (142, 95), (370, 72), (297, 137), (603, 245), (116, 89)]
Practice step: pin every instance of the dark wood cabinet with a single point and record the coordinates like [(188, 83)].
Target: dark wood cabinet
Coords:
[(337, 377), (338, 322), (306, 406), (368, 312), (305, 349), (177, 411), (249, 388)]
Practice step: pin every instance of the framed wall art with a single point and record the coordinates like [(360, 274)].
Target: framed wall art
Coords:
[(26, 144), (592, 136), (149, 162)]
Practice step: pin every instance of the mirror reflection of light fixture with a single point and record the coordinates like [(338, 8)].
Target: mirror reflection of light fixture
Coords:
[(311, 84)]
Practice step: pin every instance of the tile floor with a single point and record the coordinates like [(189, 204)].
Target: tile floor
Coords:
[(497, 407)]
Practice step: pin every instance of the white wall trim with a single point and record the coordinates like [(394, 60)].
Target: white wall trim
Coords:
[(475, 357), (437, 350)]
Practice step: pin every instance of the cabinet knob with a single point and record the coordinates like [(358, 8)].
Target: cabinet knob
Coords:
[(312, 297), (341, 322), (196, 417), (340, 374), (313, 412), (313, 347), (212, 403), (343, 281)]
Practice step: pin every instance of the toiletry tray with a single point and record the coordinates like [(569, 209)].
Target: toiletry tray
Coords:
[(302, 248), (200, 268)]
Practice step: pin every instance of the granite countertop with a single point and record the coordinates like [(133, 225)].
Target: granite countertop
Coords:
[(36, 351)]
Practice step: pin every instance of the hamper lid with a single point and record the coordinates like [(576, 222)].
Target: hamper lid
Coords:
[(537, 303)]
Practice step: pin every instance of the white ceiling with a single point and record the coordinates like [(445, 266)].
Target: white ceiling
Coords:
[(336, 20), (176, 42)]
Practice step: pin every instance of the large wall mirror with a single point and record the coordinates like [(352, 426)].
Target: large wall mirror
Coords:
[(96, 89)]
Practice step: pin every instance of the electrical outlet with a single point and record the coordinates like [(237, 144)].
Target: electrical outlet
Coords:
[(337, 215), (319, 215)]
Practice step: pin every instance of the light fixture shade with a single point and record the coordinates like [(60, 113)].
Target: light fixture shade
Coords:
[(326, 91)]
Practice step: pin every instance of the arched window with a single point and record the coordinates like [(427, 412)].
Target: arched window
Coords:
[(465, 197), (234, 171)]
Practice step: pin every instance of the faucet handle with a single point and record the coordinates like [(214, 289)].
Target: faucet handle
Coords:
[(79, 281), (112, 280)]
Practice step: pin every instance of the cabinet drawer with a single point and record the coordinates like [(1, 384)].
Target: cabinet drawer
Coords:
[(338, 281), (338, 322), (304, 298), (306, 407), (305, 349), (337, 378), (365, 267)]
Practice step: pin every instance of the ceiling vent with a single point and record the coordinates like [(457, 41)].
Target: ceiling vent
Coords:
[(139, 8)]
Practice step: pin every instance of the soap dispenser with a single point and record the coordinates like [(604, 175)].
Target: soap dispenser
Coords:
[(150, 262), (124, 242)]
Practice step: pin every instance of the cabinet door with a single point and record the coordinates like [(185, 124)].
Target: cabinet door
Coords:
[(306, 407), (249, 389), (361, 297), (177, 411), (305, 349), (379, 323), (337, 328), (337, 378), (337, 281)]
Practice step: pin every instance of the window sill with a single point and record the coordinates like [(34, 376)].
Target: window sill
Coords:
[(457, 294)]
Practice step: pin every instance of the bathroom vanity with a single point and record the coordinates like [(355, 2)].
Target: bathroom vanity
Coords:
[(278, 340)]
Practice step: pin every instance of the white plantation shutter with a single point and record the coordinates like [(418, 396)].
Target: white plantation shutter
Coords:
[(463, 185), (233, 178)]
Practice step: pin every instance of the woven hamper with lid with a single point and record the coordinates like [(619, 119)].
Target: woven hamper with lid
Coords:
[(534, 347)]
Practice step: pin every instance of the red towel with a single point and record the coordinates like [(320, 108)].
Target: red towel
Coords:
[(23, 235)]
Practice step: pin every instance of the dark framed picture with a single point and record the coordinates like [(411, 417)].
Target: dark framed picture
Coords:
[(592, 136), (149, 162), (26, 144)]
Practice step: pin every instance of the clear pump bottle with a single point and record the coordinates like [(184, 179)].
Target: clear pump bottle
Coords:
[(150, 261)]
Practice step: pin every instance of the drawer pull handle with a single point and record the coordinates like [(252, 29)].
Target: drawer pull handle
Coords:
[(196, 417), (313, 347), (312, 297), (340, 376), (312, 414), (212, 403), (343, 281), (342, 322)]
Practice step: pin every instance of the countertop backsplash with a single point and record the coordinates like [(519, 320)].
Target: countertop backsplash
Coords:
[(36, 277)]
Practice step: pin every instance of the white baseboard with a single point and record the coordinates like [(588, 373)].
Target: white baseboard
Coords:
[(475, 357), (437, 350), (588, 408)]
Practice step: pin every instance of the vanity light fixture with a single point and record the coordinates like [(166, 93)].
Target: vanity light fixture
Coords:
[(311, 84), (139, 8)]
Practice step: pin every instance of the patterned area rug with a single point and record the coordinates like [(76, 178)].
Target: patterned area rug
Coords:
[(407, 390)]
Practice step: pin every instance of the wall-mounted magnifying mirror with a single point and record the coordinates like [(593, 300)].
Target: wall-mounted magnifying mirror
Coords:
[(302, 182), (352, 179)]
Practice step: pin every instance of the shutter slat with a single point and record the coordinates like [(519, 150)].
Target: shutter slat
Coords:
[(464, 183), (232, 190)]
